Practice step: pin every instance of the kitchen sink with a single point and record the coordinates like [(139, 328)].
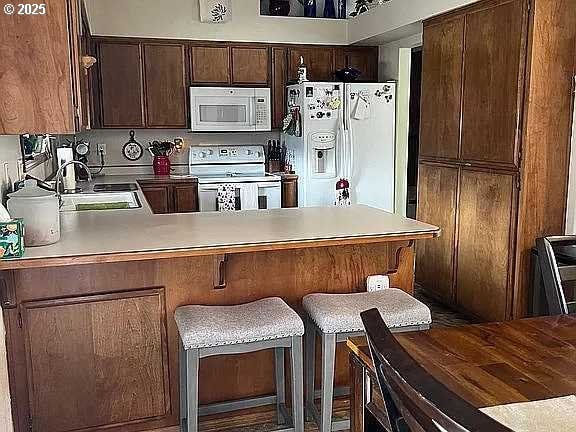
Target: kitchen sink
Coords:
[(100, 202)]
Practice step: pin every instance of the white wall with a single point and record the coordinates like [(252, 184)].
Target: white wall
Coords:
[(9, 154), (397, 14), (395, 64), (180, 19)]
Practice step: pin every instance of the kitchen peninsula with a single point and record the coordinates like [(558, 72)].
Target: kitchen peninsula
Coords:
[(92, 342)]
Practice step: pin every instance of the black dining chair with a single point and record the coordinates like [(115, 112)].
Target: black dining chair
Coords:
[(557, 265), (416, 401)]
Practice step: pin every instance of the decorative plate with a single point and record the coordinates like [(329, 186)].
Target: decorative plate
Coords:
[(132, 150)]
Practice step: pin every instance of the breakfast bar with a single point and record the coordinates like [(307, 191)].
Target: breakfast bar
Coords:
[(92, 341)]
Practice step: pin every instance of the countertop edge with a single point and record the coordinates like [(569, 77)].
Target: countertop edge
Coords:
[(20, 264)]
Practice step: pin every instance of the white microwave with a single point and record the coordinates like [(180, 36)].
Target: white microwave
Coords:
[(230, 109)]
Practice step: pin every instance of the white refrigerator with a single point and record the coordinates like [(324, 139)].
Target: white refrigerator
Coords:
[(346, 131)]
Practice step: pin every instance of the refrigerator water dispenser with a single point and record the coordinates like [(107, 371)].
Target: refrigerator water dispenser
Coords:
[(323, 154)]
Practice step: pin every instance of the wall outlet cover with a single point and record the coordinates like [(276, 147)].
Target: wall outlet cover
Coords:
[(377, 283), (102, 148)]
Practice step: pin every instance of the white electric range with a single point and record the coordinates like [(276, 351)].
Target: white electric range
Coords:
[(244, 167)]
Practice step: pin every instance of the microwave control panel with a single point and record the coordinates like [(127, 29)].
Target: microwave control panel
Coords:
[(261, 111)]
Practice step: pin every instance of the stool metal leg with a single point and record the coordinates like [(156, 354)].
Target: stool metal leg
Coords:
[(328, 360), (192, 366), (280, 384), (310, 369), (297, 383), (183, 387)]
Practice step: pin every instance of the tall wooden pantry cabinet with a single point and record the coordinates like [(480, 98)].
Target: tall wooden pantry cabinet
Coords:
[(497, 97)]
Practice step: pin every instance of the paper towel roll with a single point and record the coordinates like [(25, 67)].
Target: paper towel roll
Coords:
[(4, 215)]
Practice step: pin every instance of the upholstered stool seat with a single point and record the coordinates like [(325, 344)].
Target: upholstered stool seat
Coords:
[(209, 326), (219, 330), (340, 313), (336, 317)]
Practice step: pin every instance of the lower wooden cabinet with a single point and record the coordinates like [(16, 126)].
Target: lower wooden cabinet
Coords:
[(435, 257), (485, 245), (171, 196), (96, 360)]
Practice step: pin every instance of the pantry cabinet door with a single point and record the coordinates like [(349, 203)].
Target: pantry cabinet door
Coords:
[(437, 204), (318, 60), (121, 91), (441, 89), (486, 216), (165, 85), (494, 57), (96, 360)]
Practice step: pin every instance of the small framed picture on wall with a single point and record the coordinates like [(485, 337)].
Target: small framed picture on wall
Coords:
[(215, 11)]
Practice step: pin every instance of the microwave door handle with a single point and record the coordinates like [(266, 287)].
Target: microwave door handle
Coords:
[(253, 111)]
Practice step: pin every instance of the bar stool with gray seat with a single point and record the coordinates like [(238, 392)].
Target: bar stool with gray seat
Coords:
[(337, 317), (220, 330)]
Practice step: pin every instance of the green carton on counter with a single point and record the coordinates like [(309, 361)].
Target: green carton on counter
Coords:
[(12, 239)]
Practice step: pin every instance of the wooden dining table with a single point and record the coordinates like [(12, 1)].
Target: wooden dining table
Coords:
[(486, 364)]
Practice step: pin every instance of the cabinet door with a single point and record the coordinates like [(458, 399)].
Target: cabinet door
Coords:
[(494, 53), (165, 84), (486, 204), (159, 198), (250, 66), (364, 59), (122, 101), (96, 360), (35, 72), (441, 89), (437, 201), (279, 79), (210, 65), (319, 60), (185, 198)]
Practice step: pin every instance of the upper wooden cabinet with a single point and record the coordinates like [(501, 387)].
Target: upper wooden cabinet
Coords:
[(364, 59), (250, 65), (165, 85), (141, 85), (121, 90), (40, 71), (441, 89), (319, 61), (494, 53), (279, 80), (210, 64)]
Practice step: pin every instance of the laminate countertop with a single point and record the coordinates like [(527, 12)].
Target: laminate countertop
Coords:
[(129, 235)]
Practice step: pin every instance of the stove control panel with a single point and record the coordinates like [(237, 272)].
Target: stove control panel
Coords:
[(226, 154)]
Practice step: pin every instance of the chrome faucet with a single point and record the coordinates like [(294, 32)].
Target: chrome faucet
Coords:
[(60, 173)]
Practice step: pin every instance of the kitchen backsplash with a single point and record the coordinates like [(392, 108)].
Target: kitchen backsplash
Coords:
[(116, 163)]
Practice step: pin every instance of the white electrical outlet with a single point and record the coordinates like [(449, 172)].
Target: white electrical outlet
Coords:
[(102, 148), (377, 283)]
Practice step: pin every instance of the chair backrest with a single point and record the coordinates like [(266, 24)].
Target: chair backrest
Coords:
[(558, 269), (412, 396)]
